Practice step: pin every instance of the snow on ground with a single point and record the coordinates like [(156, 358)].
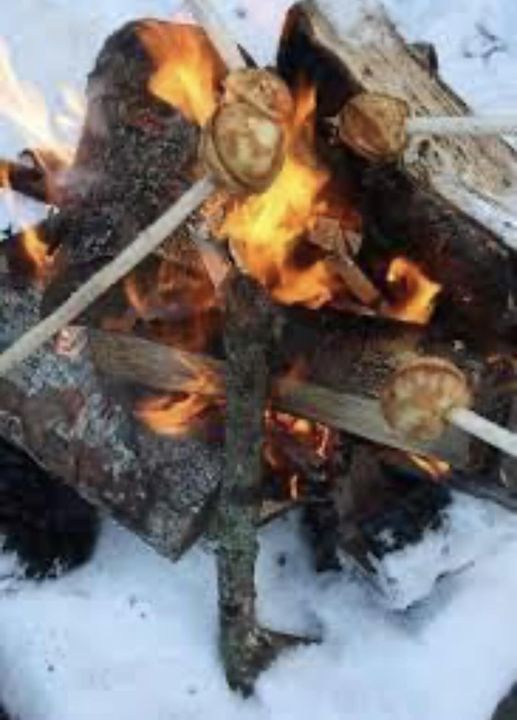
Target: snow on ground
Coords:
[(131, 636)]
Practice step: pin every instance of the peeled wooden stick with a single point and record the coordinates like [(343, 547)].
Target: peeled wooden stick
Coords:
[(485, 430), (147, 241), (427, 393), (467, 125)]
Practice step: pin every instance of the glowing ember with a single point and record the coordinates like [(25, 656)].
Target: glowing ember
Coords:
[(25, 107), (188, 70), (36, 251), (168, 416), (418, 293), (180, 303), (437, 469), (264, 230), (316, 438)]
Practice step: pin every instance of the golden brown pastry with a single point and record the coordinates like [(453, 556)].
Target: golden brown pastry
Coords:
[(421, 393), (374, 126)]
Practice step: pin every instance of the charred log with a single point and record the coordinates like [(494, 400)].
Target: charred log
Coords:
[(56, 409)]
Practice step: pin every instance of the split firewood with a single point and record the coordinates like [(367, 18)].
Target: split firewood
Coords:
[(165, 368), (59, 411), (470, 175), (426, 393)]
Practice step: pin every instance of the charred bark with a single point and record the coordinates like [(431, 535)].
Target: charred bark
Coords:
[(443, 204), (57, 409)]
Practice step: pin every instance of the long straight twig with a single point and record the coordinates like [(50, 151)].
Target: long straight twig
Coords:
[(476, 125)]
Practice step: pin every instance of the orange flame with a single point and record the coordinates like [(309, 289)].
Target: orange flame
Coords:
[(24, 106), (180, 303), (437, 469), (418, 292), (37, 252), (264, 230), (187, 68), (35, 249), (168, 416)]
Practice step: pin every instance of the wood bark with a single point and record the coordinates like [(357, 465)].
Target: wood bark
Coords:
[(246, 648), (247, 339), (58, 410)]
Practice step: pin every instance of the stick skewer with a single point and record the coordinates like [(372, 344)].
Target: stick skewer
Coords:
[(378, 126), (475, 125), (486, 430), (427, 393)]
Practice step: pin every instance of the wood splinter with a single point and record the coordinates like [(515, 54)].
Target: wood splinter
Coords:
[(152, 237), (427, 393)]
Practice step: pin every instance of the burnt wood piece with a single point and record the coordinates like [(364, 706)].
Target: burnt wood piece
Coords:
[(383, 506), (136, 156), (245, 647), (58, 411), (444, 204)]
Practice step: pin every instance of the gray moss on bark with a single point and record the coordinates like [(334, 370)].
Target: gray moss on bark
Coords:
[(247, 337), (246, 648)]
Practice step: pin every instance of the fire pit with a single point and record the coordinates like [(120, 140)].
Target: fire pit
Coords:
[(255, 343)]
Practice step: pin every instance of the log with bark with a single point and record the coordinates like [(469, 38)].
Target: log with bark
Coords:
[(58, 410), (447, 204)]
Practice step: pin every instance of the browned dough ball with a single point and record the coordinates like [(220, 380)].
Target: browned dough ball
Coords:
[(243, 148), (262, 90), (374, 126), (420, 394)]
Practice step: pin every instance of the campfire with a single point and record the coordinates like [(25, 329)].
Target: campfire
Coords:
[(320, 323)]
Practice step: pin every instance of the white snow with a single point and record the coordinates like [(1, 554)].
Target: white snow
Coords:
[(130, 636)]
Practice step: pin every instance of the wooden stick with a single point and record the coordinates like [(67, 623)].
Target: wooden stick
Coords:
[(467, 125), (147, 241), (165, 368), (208, 17), (495, 435)]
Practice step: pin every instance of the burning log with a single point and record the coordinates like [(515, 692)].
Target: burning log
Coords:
[(445, 206), (56, 409), (167, 369)]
